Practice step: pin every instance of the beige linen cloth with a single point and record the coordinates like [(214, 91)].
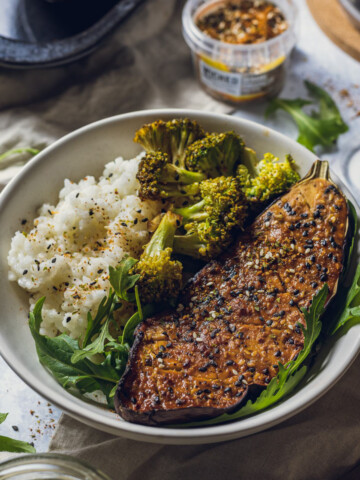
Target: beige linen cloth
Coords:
[(145, 65)]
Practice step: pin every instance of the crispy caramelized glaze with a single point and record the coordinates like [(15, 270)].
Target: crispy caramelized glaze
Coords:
[(238, 317)]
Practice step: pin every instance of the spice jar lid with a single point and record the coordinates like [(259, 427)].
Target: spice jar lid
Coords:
[(241, 57)]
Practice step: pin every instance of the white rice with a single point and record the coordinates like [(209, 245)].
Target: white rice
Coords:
[(67, 253)]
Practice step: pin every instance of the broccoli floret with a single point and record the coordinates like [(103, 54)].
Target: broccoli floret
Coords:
[(264, 180), (159, 178), (201, 242), (160, 277), (172, 138), (216, 155), (210, 223)]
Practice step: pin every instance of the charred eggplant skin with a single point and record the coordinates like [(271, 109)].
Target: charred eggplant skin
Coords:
[(238, 317)]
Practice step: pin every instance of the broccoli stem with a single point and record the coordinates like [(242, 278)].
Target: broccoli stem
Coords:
[(164, 235), (189, 245), (195, 213), (173, 174)]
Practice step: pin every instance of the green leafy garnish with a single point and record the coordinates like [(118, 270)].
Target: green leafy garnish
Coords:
[(351, 312), (56, 355), (121, 280), (105, 310), (319, 128), (290, 375), (101, 361), (10, 444)]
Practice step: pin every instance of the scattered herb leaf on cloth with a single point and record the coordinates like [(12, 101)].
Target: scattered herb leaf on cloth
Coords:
[(319, 128), (10, 444), (290, 375)]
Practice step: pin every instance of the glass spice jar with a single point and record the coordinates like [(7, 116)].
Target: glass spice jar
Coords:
[(239, 72), (48, 466)]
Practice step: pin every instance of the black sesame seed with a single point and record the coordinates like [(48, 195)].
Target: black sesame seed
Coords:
[(307, 265), (269, 323), (215, 387), (313, 223), (265, 371), (297, 225), (25, 272), (301, 279), (144, 219), (100, 271), (296, 291), (306, 225), (291, 341), (251, 369), (335, 259), (123, 224), (292, 303), (133, 400), (267, 380), (291, 227), (304, 215), (316, 214), (323, 277), (330, 255), (318, 266), (23, 221), (262, 319), (68, 319), (305, 233), (53, 260), (314, 284), (278, 353), (292, 213), (229, 362), (313, 258), (227, 390)]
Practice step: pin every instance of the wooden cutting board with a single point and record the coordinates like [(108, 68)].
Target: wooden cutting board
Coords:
[(333, 20)]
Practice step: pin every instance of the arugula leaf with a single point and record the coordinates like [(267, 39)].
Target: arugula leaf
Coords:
[(10, 444), (133, 322), (105, 309), (319, 128), (351, 312), (56, 354), (290, 375), (313, 326), (96, 347), (354, 226), (121, 280)]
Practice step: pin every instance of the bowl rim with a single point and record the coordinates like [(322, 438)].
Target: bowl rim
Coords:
[(172, 435)]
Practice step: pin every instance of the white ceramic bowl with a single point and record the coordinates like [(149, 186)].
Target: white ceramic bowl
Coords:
[(85, 152)]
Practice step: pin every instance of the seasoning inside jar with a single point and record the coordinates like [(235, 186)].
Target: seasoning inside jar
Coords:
[(242, 21), (240, 48)]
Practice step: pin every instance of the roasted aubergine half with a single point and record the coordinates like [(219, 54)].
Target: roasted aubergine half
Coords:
[(238, 317)]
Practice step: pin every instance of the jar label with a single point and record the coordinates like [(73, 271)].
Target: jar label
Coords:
[(219, 80), (232, 84)]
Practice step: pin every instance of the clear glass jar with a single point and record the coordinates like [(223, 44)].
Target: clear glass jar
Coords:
[(237, 73), (48, 466)]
